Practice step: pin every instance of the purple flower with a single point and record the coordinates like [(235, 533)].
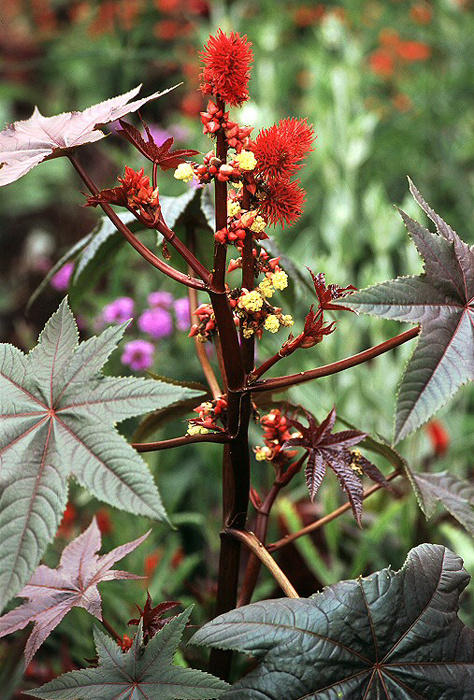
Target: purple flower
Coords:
[(163, 299), (138, 354), (61, 279), (156, 322), (119, 310), (181, 310)]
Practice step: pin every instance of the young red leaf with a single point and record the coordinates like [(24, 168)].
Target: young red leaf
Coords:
[(441, 300), (152, 616), (161, 155), (328, 449), (27, 143), (52, 593)]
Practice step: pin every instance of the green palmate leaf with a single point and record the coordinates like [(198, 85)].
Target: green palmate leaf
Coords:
[(390, 636), (58, 414), (456, 495), (441, 300), (173, 207), (104, 235), (142, 672), (207, 208)]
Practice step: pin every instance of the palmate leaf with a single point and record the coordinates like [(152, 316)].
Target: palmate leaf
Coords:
[(27, 143), (142, 672), (390, 636), (441, 300), (52, 593), (57, 417), (456, 495)]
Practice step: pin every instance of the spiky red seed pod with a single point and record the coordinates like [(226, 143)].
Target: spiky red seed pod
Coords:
[(226, 72), (283, 202), (279, 149)]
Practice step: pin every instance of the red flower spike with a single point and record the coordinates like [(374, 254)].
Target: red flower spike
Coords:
[(439, 437), (279, 149), (283, 202), (226, 72)]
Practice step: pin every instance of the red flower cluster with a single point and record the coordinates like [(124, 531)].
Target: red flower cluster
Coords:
[(135, 193), (275, 434), (393, 52), (226, 73), (209, 413), (278, 151)]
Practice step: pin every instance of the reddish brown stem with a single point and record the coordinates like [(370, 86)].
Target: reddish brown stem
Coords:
[(220, 438), (327, 518), (220, 251), (132, 239), (334, 367), (111, 631)]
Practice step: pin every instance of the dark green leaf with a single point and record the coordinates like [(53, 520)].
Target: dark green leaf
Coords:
[(456, 495), (441, 300), (390, 636), (143, 672)]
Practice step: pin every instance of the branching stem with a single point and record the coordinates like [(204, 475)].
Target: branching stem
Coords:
[(220, 438), (334, 367)]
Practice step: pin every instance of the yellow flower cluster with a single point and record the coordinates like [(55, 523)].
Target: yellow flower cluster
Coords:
[(259, 224), (272, 323), (196, 430), (252, 301), (280, 280), (262, 453), (246, 160), (184, 172), (233, 207)]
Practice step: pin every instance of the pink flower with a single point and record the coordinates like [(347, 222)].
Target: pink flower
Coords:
[(138, 354), (60, 281), (162, 299), (119, 310), (181, 310), (156, 322)]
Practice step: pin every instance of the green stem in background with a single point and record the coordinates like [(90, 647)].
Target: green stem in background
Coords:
[(132, 239), (257, 548), (327, 518), (334, 367), (220, 438)]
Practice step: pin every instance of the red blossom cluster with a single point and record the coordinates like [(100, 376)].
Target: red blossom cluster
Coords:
[(226, 72), (215, 118), (236, 229), (209, 413), (213, 167), (276, 431), (262, 263), (135, 193)]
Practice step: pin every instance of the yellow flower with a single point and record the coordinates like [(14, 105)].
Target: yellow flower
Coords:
[(259, 225), (196, 430), (246, 160), (280, 280), (262, 453), (247, 332), (233, 207), (266, 287), (184, 171), (272, 323), (286, 320), (252, 301)]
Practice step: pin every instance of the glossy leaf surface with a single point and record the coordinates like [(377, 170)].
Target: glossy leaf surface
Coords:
[(390, 636)]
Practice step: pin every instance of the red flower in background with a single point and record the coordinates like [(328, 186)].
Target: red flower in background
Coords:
[(226, 73), (279, 149), (439, 437), (413, 50), (382, 63), (421, 14), (283, 202)]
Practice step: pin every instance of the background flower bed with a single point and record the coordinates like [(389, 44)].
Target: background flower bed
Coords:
[(389, 87)]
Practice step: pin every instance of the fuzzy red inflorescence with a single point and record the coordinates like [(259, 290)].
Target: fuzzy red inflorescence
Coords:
[(283, 202), (226, 70), (279, 149)]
